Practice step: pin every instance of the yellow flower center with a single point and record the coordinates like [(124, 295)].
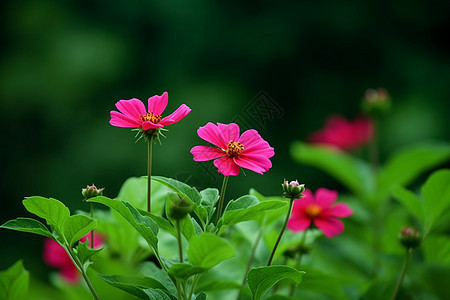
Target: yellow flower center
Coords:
[(234, 149), (313, 211), (155, 119)]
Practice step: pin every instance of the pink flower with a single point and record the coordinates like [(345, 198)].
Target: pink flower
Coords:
[(343, 134), (55, 256), (134, 115), (247, 151), (319, 211)]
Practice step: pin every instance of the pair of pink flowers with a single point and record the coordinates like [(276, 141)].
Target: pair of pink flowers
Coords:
[(318, 210), (234, 151)]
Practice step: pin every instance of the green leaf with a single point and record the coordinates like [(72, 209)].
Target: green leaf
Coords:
[(84, 252), (186, 226), (142, 223), (209, 201), (201, 296), (355, 174), (436, 197), (135, 285), (14, 282), (260, 280), (49, 209), (405, 165), (76, 227), (28, 225), (216, 285), (273, 215), (156, 294), (184, 271), (409, 200), (248, 208), (149, 269), (207, 250), (189, 193)]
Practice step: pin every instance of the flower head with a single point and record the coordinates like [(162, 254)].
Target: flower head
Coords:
[(132, 113), (248, 150), (376, 101), (410, 237), (293, 189), (91, 191), (55, 256), (318, 210), (343, 134)]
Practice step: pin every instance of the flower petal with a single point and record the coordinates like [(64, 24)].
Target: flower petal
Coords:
[(255, 144), (298, 224), (204, 153), (226, 166), (133, 108), (176, 116), (230, 132), (340, 210), (70, 274), (211, 133), (157, 104), (150, 125), (329, 226), (256, 163), (325, 197), (120, 120)]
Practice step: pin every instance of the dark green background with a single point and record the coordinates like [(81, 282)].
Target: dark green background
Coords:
[(65, 63)]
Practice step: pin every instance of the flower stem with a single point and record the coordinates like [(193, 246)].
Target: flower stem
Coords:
[(403, 272), (149, 174), (92, 231), (281, 233), (373, 147), (222, 196), (180, 247), (299, 260), (83, 273)]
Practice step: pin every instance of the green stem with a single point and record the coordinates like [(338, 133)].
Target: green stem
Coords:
[(281, 233), (403, 272), (194, 285), (374, 146), (92, 231), (83, 273), (222, 197), (180, 297), (180, 247), (149, 174), (299, 260)]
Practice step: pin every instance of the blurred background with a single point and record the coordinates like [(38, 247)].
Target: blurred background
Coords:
[(64, 64)]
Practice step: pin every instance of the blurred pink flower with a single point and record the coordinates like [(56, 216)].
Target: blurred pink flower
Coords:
[(55, 256), (319, 210), (343, 134), (134, 115), (247, 151)]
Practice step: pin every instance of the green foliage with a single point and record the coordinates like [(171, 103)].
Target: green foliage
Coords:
[(28, 225), (207, 250), (184, 271), (261, 279), (84, 252), (77, 226), (14, 282), (49, 209)]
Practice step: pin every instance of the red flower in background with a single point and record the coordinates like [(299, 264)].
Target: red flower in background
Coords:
[(55, 256), (319, 210), (343, 134), (134, 115)]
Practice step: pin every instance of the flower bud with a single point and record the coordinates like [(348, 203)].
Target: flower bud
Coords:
[(91, 191), (410, 237), (178, 207), (376, 102), (293, 189)]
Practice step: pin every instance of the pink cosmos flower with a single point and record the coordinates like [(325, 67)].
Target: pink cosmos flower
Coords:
[(247, 151), (343, 134), (55, 256), (319, 210), (134, 115)]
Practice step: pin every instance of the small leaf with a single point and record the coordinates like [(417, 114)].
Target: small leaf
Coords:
[(28, 225), (260, 280), (14, 282), (184, 271), (84, 252), (134, 191), (49, 209), (209, 200), (207, 250), (135, 285), (436, 197), (76, 227), (156, 294), (201, 296), (142, 223), (409, 200), (189, 193)]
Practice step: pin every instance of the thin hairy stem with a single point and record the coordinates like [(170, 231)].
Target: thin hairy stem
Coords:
[(222, 197), (402, 273), (281, 233), (149, 175)]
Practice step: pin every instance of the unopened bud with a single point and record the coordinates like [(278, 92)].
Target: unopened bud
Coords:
[(376, 102), (293, 189), (91, 191), (178, 207), (410, 237)]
